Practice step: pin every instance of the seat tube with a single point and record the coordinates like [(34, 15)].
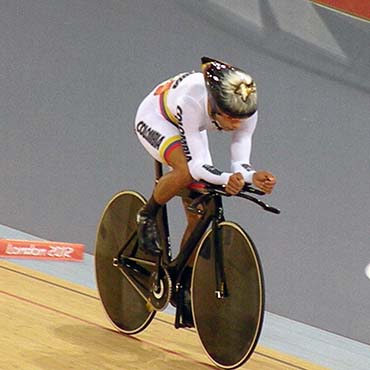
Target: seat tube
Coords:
[(162, 220), (158, 170), (164, 231)]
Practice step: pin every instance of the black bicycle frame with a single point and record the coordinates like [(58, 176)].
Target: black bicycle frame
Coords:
[(213, 213)]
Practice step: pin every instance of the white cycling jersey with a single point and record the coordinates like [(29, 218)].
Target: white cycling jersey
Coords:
[(175, 113)]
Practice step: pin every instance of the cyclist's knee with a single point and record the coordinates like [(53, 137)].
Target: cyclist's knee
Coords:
[(180, 169)]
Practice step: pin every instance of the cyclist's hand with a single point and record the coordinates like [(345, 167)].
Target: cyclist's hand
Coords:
[(235, 183), (265, 181)]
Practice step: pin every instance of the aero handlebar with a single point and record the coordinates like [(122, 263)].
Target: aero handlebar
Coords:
[(207, 190)]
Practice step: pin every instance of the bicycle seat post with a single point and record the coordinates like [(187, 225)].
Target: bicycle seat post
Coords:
[(158, 170)]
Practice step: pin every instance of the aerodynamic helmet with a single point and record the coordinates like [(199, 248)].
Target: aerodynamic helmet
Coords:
[(229, 88)]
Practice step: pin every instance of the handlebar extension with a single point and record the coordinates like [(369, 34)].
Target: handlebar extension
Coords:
[(207, 190)]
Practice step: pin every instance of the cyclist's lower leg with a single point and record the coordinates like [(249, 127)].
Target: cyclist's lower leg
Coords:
[(167, 187)]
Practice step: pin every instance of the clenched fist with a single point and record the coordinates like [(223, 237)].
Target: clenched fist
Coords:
[(265, 181), (235, 183)]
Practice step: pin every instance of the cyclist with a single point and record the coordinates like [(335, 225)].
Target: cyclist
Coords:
[(172, 124)]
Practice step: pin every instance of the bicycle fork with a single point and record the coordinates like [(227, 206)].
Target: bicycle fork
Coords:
[(221, 288)]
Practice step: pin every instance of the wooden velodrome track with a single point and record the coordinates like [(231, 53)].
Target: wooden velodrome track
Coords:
[(48, 323)]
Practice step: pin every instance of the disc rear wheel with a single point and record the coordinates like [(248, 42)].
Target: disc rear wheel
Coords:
[(125, 307)]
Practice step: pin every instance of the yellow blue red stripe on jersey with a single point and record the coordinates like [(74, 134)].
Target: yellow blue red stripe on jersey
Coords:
[(166, 113), (168, 146)]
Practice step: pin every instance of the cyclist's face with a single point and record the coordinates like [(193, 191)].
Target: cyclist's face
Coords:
[(226, 122)]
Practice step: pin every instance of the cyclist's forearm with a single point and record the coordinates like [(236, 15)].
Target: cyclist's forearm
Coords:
[(209, 173)]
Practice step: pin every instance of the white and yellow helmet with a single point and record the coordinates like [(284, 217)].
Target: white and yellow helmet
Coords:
[(229, 88)]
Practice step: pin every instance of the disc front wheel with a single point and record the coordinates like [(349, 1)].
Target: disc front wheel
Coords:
[(228, 327)]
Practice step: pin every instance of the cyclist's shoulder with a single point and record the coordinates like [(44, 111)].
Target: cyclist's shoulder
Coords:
[(189, 92), (189, 83)]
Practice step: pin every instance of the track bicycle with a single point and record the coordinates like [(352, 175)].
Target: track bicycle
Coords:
[(227, 287)]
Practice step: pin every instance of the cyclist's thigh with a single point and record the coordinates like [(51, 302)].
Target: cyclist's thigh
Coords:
[(158, 136)]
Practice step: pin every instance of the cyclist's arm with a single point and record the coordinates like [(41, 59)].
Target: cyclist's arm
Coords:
[(241, 147), (196, 147)]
